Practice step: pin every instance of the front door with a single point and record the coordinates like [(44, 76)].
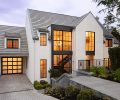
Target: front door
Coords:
[(11, 65), (88, 64)]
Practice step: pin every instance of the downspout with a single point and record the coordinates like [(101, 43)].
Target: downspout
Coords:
[(34, 59)]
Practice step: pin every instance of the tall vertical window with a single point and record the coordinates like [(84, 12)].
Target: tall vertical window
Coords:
[(108, 43), (90, 41), (43, 68), (13, 43), (43, 39)]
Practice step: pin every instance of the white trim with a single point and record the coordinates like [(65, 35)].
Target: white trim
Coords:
[(5, 42)]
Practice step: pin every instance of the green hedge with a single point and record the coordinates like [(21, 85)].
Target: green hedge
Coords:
[(114, 54), (41, 85)]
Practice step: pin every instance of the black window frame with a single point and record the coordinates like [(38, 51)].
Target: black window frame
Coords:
[(62, 40), (43, 39), (12, 43), (90, 52)]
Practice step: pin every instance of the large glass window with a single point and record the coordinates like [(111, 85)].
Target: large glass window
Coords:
[(108, 42), (43, 68), (62, 41), (43, 39), (90, 41), (13, 43), (64, 61)]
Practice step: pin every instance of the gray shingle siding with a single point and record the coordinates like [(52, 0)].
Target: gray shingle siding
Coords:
[(12, 31)]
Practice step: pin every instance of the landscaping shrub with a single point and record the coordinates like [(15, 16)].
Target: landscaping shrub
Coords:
[(85, 94), (116, 75), (71, 92), (39, 86), (98, 71), (56, 92), (102, 71), (55, 72), (114, 54), (93, 69), (43, 82)]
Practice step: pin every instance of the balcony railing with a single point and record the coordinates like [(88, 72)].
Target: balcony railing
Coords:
[(86, 64)]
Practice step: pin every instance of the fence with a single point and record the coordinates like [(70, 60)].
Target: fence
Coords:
[(86, 64)]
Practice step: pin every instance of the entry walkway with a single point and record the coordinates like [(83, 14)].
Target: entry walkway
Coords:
[(106, 87)]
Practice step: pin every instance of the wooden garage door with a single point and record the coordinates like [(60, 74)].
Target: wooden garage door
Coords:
[(11, 65)]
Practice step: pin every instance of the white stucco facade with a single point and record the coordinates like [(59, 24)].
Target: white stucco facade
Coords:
[(37, 52), (88, 24), (30, 71), (42, 52)]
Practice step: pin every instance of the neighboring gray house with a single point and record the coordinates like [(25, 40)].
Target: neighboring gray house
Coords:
[(13, 49)]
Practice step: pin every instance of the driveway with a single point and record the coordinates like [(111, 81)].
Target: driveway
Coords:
[(12, 83), (18, 87)]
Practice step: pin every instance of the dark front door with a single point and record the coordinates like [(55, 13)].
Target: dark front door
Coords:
[(11, 65), (88, 64)]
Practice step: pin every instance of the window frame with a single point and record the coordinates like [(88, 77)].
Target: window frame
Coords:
[(45, 71), (85, 42), (6, 41), (62, 40), (45, 39), (108, 42)]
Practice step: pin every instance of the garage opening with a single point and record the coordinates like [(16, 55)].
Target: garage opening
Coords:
[(11, 65)]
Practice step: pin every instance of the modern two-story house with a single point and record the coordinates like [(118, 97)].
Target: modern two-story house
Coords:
[(57, 40), (50, 40)]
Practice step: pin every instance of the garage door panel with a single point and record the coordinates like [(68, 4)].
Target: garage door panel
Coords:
[(4, 71), (12, 65), (9, 67), (9, 71), (4, 63)]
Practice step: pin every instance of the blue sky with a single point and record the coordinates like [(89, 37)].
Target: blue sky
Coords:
[(13, 12)]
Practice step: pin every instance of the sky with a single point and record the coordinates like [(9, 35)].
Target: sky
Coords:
[(13, 12)]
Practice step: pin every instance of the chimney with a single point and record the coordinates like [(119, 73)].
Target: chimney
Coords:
[(97, 18)]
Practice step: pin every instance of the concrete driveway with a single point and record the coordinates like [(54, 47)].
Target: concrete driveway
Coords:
[(12, 83), (18, 87)]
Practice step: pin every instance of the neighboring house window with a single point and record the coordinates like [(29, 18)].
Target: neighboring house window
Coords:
[(108, 43), (43, 68), (43, 39), (13, 43), (90, 41)]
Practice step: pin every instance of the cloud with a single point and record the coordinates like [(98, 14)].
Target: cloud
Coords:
[(13, 11)]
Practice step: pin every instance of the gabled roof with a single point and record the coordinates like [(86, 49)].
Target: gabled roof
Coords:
[(41, 20)]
